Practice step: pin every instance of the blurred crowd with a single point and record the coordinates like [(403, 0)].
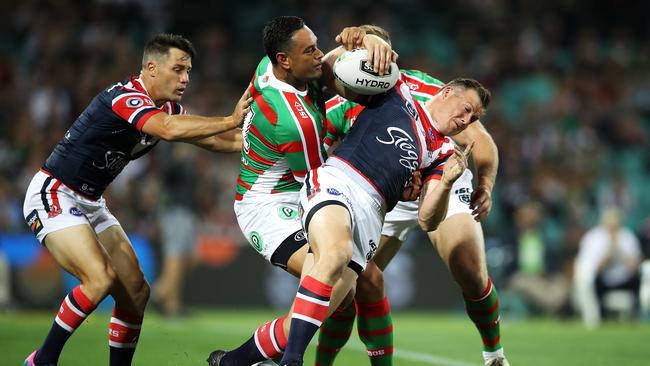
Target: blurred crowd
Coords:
[(570, 84)]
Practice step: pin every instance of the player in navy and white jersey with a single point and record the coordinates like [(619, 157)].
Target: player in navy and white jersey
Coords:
[(64, 205), (343, 202)]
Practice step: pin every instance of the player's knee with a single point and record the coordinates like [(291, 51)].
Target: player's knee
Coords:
[(370, 286), (337, 256), (99, 282)]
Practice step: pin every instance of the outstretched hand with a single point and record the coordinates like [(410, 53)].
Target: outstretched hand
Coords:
[(456, 164), (243, 107), (380, 52)]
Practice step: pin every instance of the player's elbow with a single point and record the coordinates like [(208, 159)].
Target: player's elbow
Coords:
[(428, 225), (171, 130)]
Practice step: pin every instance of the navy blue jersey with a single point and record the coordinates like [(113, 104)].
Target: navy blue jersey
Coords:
[(105, 137), (391, 138)]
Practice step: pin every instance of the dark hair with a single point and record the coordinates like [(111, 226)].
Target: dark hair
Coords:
[(377, 31), (464, 83), (159, 45), (278, 33)]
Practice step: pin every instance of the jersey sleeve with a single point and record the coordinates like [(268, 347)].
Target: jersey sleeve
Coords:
[(134, 107), (434, 170), (340, 116)]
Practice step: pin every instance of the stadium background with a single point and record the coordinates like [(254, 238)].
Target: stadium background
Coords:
[(570, 115)]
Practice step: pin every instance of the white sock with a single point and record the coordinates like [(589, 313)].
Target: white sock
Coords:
[(493, 354)]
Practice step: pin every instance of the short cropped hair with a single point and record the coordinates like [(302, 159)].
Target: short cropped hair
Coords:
[(278, 33), (159, 45), (377, 31), (465, 83)]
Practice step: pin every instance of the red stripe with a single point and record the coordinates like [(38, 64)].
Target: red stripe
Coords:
[(259, 158), (265, 341), (259, 135), (145, 118), (243, 184), (56, 206), (333, 102), (238, 197), (380, 352), (263, 105), (314, 180), (376, 332), (312, 138), (490, 325), (280, 337), (310, 309), (315, 286), (70, 188), (493, 342), (83, 301), (68, 316), (489, 311), (300, 173), (251, 169), (353, 113), (288, 177), (373, 310), (421, 86), (290, 147)]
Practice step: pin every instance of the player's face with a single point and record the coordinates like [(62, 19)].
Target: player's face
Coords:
[(305, 56), (459, 108), (173, 75)]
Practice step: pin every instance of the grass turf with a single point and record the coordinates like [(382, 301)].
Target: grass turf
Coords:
[(420, 339)]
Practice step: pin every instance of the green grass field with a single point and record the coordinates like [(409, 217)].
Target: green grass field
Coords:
[(420, 339)]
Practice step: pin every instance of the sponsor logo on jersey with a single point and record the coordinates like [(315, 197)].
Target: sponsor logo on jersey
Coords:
[(333, 191), (404, 142), (256, 241), (412, 86), (300, 236), (373, 249), (248, 120), (75, 211), (54, 211), (287, 213), (114, 161), (366, 67), (300, 109), (312, 192), (464, 195), (34, 222), (410, 109), (134, 102)]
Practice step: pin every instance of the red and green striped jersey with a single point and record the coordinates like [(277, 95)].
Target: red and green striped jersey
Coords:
[(283, 136), (341, 113)]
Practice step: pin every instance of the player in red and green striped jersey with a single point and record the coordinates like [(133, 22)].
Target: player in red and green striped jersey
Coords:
[(459, 241), (283, 139)]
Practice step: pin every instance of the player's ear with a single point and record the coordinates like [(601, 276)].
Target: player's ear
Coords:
[(151, 67), (283, 60)]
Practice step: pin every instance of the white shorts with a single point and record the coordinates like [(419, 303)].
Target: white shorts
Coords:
[(50, 206), (404, 216), (328, 185), (270, 222)]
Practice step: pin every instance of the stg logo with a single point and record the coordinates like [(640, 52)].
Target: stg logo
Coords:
[(400, 139)]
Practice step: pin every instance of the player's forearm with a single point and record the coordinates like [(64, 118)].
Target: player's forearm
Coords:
[(486, 162), (485, 153), (433, 204), (186, 127), (229, 141)]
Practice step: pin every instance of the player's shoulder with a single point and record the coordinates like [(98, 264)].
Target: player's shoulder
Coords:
[(421, 77)]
